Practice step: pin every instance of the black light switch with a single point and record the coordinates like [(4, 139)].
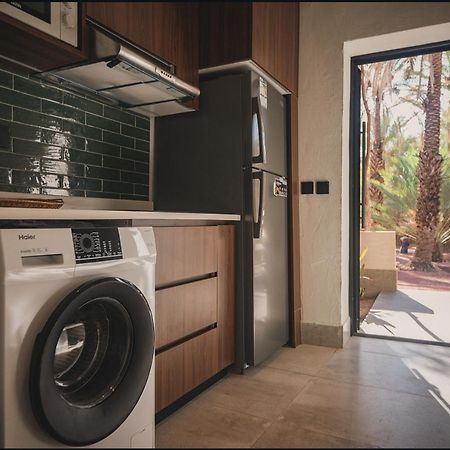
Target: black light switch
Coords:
[(322, 187), (307, 187), (4, 136)]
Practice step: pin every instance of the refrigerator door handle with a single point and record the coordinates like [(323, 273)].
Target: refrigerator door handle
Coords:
[(258, 135), (258, 198)]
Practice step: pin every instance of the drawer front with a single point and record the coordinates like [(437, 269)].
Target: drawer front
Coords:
[(184, 252), (185, 309), (182, 368)]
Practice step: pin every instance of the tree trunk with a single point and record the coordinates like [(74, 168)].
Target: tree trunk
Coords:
[(376, 159), (429, 172)]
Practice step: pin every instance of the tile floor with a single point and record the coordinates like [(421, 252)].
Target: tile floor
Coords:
[(372, 393)]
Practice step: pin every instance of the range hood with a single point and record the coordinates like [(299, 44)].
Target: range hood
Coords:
[(125, 76)]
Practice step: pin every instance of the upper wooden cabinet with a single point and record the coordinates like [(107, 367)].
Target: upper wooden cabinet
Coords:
[(168, 30), (264, 32)]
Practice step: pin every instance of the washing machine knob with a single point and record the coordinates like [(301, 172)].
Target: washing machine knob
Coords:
[(87, 243)]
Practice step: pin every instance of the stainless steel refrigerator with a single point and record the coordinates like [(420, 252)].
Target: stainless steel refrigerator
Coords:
[(230, 157)]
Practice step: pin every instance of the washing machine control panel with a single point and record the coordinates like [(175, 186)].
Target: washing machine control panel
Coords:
[(94, 245)]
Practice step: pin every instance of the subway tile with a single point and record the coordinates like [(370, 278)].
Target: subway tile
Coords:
[(133, 197), (5, 112), (103, 148), (22, 131), (61, 167), (5, 176), (118, 139), (134, 132), (21, 189), (141, 167), (134, 155), (62, 192), (36, 88), (101, 122), (36, 149), (98, 194), (116, 186), (20, 178), (141, 189), (34, 118), (81, 183), (133, 177), (143, 122), (103, 173), (62, 139), (63, 111), (83, 157), (119, 115), (6, 79), (18, 99), (82, 130), (142, 145), (19, 162), (50, 180), (83, 103), (118, 163)]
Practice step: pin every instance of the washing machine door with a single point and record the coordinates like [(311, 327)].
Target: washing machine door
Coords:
[(92, 361)]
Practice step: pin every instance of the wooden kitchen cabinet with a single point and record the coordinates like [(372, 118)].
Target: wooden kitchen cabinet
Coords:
[(195, 307), (265, 32), (168, 30)]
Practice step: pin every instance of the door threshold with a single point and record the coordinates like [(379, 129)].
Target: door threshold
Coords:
[(402, 339)]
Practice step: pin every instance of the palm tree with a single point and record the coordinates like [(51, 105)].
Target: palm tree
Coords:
[(429, 172)]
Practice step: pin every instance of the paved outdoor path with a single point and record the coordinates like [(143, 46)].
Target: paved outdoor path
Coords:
[(410, 313)]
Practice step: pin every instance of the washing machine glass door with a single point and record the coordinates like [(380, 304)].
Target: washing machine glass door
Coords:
[(92, 361)]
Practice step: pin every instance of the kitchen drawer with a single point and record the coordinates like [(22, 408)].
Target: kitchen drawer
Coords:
[(185, 309), (184, 252), (182, 368)]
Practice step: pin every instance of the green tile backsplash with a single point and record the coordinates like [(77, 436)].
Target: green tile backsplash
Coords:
[(63, 143)]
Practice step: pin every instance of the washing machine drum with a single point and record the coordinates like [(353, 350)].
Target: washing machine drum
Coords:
[(92, 361)]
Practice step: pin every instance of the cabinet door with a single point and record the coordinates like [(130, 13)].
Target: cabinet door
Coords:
[(184, 253), (168, 30), (275, 40)]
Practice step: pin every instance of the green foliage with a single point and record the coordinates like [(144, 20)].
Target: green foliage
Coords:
[(362, 268)]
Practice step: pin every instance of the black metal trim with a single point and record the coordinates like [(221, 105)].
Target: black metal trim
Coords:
[(354, 178), (77, 426)]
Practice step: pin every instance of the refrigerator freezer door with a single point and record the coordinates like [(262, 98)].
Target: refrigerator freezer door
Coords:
[(268, 127), (270, 269)]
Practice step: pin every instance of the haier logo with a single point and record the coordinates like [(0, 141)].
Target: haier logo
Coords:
[(26, 237)]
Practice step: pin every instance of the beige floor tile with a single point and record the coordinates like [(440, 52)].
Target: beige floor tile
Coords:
[(209, 427), (285, 434), (263, 392), (306, 359), (371, 415), (374, 369)]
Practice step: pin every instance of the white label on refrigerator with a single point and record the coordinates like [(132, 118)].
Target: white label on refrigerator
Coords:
[(280, 187), (263, 92)]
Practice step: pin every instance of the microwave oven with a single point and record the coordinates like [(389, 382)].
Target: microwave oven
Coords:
[(58, 19)]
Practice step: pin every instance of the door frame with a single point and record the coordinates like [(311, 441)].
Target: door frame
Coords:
[(378, 48)]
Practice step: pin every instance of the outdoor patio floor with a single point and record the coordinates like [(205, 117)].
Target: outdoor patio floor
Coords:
[(410, 313)]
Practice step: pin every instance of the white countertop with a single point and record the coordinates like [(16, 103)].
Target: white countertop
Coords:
[(91, 214)]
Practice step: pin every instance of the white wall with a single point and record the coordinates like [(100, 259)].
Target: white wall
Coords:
[(324, 27), (380, 249)]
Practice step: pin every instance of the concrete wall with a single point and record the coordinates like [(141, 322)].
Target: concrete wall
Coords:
[(380, 249), (380, 270), (324, 27)]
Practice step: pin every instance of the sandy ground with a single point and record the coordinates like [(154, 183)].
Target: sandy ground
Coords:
[(439, 280)]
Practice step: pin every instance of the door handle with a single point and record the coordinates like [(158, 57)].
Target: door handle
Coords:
[(258, 135), (258, 220)]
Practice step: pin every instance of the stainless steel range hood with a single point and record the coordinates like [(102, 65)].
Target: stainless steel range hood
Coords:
[(126, 76)]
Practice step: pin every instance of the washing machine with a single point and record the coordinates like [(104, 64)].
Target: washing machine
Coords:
[(77, 337)]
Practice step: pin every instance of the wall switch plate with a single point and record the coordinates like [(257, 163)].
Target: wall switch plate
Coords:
[(322, 187), (5, 137), (307, 187)]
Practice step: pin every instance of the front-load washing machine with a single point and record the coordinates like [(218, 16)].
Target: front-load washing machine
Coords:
[(77, 337)]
